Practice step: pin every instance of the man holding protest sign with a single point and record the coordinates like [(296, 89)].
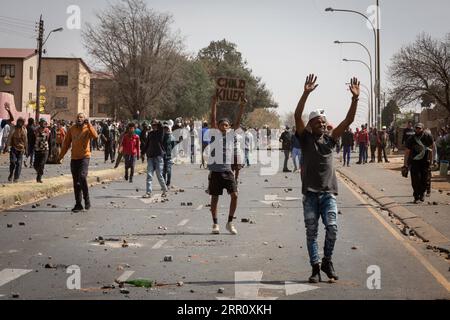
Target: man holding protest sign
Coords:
[(221, 158)]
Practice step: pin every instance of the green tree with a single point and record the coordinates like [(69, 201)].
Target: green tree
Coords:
[(388, 112), (222, 58)]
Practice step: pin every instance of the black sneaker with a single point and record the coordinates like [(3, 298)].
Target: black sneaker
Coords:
[(77, 208), (315, 277), (131, 180), (87, 205), (422, 198), (10, 178), (126, 178), (327, 267)]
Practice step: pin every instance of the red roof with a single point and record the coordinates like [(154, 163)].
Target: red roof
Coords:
[(17, 53)]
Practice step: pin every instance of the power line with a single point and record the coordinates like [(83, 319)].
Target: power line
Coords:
[(17, 32), (23, 27), (23, 21), (16, 35)]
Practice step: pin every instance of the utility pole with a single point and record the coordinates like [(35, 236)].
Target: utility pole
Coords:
[(378, 68), (40, 40)]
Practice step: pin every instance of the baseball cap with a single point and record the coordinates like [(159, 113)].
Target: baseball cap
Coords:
[(317, 113), (384, 128), (419, 125)]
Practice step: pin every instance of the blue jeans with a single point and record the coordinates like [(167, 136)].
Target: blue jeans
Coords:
[(155, 164), (316, 205), (363, 152), (167, 171), (15, 163), (296, 155), (347, 151)]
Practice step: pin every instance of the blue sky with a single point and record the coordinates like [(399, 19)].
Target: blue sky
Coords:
[(282, 41)]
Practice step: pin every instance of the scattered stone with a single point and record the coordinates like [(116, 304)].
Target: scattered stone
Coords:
[(180, 283), (440, 191), (266, 180), (124, 291), (339, 212), (33, 206), (289, 189), (183, 204), (50, 266), (382, 189), (189, 204), (38, 204), (354, 248), (276, 204), (168, 258), (181, 190), (21, 223), (252, 222), (153, 217), (245, 220), (110, 286), (265, 243), (221, 290), (280, 246), (9, 225), (207, 205), (406, 231), (98, 179), (286, 177), (102, 242), (49, 204), (192, 291), (15, 295), (54, 206), (435, 203), (125, 244)]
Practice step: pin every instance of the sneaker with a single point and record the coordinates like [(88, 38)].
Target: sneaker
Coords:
[(327, 267), (10, 178), (164, 194), (287, 170), (147, 195), (77, 208), (215, 229), (416, 201), (422, 198), (231, 228), (315, 276), (126, 178), (87, 205), (131, 180)]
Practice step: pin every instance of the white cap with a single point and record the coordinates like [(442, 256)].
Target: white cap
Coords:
[(384, 128), (317, 113)]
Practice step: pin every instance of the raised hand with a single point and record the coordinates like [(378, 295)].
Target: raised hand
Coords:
[(7, 107), (354, 87), (310, 84)]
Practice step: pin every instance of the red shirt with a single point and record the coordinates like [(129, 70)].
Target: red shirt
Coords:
[(131, 145), (363, 137)]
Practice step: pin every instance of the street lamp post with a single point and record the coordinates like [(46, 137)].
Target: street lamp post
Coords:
[(376, 34), (371, 110), (371, 79), (41, 43)]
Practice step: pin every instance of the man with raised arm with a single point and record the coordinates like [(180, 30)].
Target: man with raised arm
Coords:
[(319, 186), (219, 164)]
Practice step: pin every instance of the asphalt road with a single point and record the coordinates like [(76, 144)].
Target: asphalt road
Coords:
[(267, 259)]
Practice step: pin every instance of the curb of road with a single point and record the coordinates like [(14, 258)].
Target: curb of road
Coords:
[(30, 191), (422, 229)]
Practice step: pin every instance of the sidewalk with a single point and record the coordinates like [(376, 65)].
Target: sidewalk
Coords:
[(384, 183), (57, 180)]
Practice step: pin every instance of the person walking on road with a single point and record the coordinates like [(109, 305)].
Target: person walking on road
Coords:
[(155, 158), (373, 139), (5, 123), (363, 142), (408, 132), (168, 145), (41, 148), (382, 143), (130, 148), (79, 138), (296, 151), (347, 144), (417, 159), (285, 140), (319, 186), (18, 141), (31, 142), (221, 177)]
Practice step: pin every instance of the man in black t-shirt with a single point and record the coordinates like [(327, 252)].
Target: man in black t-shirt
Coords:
[(285, 140), (418, 156), (408, 132), (319, 182)]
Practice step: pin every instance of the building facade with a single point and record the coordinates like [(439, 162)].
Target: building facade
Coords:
[(67, 83), (18, 70)]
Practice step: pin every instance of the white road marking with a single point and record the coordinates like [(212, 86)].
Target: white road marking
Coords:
[(270, 197), (8, 275), (159, 244), (125, 276), (183, 223)]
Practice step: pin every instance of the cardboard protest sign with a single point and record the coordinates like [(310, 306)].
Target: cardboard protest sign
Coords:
[(230, 90)]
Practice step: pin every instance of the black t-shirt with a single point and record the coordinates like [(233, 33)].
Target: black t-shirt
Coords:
[(286, 140), (318, 164), (417, 149), (407, 133)]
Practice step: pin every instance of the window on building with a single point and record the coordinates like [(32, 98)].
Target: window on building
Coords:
[(84, 104), (60, 103), (84, 82), (8, 70), (30, 96), (103, 108), (62, 81), (31, 73)]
